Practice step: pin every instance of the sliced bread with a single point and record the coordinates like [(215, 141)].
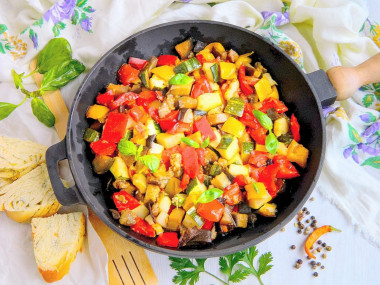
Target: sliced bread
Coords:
[(29, 196), (18, 157), (56, 240)]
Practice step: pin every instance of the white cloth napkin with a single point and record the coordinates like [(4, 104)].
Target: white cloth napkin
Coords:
[(317, 34)]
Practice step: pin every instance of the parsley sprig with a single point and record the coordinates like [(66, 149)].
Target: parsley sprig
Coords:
[(236, 267)]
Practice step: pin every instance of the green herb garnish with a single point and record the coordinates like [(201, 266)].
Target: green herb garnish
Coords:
[(58, 67), (127, 147), (209, 195), (236, 267), (271, 142)]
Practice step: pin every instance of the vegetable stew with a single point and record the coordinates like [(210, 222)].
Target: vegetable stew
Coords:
[(197, 144)]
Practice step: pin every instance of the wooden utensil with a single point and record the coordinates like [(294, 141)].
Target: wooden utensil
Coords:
[(127, 263)]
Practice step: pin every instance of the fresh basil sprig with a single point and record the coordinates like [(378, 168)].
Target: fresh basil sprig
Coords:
[(194, 144), (127, 147), (190, 142), (209, 195), (58, 67), (271, 142)]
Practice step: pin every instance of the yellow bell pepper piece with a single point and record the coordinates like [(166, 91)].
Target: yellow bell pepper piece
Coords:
[(274, 93), (243, 59), (97, 112), (282, 149), (261, 147), (257, 195), (207, 55), (263, 88), (165, 72), (218, 47), (233, 127), (297, 153), (196, 74), (227, 70)]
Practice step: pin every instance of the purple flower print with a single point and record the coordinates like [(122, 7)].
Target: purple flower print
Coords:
[(367, 117), (355, 157), (86, 24), (281, 19), (347, 152), (327, 110), (371, 129), (60, 11)]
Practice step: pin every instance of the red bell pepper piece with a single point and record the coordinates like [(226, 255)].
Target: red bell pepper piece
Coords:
[(203, 126), (114, 129), (123, 99), (207, 225), (105, 98), (103, 147), (168, 239), (273, 103), (212, 211), (268, 177), (201, 58), (244, 85), (167, 59), (137, 63), (258, 158), (258, 135), (153, 112), (127, 74), (248, 118), (143, 228), (201, 156), (241, 180), (169, 120), (145, 98), (285, 168), (167, 153), (190, 161), (232, 194), (185, 181), (181, 127), (295, 128), (254, 172), (123, 201), (200, 87), (137, 113)]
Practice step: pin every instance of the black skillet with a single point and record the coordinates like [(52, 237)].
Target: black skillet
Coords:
[(304, 94)]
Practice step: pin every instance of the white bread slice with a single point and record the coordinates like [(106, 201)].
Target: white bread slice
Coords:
[(56, 241), (29, 196), (18, 157)]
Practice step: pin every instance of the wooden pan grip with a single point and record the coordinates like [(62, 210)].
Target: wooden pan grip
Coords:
[(347, 80)]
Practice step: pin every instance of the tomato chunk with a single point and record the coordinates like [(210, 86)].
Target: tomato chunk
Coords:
[(127, 74), (169, 239), (123, 201), (114, 129), (212, 211), (103, 147)]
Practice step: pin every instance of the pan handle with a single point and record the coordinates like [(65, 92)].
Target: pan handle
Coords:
[(65, 196), (323, 87)]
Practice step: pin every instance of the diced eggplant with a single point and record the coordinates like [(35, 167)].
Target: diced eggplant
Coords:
[(232, 55), (252, 218), (115, 214), (186, 116), (216, 119), (188, 234), (184, 48), (244, 208), (241, 220), (102, 163), (273, 115), (286, 138), (151, 139), (213, 232), (210, 156), (198, 114), (227, 218), (96, 125), (199, 45), (187, 102), (202, 238), (249, 69)]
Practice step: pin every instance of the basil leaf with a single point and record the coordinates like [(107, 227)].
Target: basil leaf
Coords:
[(263, 119), (255, 187), (6, 109), (209, 195), (17, 79), (190, 142), (139, 151), (56, 52), (271, 143), (42, 112), (206, 142), (62, 74), (127, 147), (180, 79), (150, 161)]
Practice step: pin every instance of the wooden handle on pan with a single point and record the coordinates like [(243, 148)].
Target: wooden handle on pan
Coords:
[(347, 80)]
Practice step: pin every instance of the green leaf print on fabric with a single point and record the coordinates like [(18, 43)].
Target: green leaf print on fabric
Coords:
[(373, 162)]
